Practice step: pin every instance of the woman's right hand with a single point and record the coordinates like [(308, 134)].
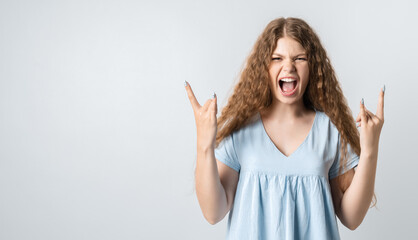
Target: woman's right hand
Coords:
[(206, 122)]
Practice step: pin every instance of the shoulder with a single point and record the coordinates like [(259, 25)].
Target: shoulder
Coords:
[(326, 134), (249, 126), (247, 133), (325, 122)]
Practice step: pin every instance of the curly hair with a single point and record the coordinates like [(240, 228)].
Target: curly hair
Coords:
[(323, 92)]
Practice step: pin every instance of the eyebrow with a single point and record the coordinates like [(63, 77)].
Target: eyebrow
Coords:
[(278, 54)]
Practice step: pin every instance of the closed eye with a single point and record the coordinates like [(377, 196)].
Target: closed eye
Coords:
[(304, 59)]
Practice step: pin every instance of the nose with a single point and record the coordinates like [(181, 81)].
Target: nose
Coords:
[(288, 66)]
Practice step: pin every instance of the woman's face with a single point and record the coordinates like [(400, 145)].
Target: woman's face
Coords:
[(289, 71)]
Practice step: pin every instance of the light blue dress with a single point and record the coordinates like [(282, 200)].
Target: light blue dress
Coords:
[(281, 197)]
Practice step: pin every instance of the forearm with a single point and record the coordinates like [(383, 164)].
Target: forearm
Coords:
[(357, 198), (209, 190)]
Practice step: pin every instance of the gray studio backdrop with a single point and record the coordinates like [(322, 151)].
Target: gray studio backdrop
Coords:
[(97, 136)]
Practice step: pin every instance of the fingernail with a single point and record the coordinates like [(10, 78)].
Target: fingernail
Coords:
[(185, 83), (384, 88), (214, 95), (362, 101)]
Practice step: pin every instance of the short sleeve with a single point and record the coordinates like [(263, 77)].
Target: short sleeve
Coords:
[(352, 161), (225, 152)]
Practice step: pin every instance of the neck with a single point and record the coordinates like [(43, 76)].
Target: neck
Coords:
[(285, 111)]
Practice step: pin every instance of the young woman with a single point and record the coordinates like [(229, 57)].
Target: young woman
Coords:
[(280, 158)]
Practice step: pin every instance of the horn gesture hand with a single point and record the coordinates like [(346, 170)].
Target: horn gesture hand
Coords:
[(205, 117), (371, 125)]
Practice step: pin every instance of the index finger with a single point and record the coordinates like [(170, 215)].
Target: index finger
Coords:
[(380, 104), (192, 98)]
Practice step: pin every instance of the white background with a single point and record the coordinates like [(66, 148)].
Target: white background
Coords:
[(98, 138)]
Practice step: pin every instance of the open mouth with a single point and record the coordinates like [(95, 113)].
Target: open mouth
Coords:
[(288, 86)]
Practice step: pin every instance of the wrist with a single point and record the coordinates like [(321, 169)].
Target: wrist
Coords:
[(370, 154), (205, 148)]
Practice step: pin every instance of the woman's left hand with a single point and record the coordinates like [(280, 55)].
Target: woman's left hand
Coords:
[(371, 126)]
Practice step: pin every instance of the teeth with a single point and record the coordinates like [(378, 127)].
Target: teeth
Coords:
[(287, 80)]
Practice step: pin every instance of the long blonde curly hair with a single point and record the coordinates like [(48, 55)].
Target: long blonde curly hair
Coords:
[(252, 93)]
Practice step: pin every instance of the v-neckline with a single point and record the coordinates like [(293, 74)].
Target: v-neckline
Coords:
[(298, 148)]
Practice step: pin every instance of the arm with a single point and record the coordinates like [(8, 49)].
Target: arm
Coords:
[(215, 189), (352, 201)]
